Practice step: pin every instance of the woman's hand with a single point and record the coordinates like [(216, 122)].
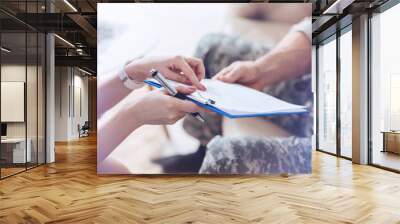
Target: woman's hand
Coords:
[(158, 108), (154, 107), (181, 69), (242, 72)]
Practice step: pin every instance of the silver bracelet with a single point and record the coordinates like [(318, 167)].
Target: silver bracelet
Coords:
[(128, 82)]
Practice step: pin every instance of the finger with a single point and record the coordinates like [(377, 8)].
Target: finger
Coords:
[(165, 91), (210, 112), (198, 65), (223, 72), (185, 89), (172, 75), (189, 73), (174, 117), (203, 110), (232, 76), (186, 106), (178, 116)]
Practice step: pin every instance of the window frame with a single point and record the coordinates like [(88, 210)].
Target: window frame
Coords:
[(347, 27)]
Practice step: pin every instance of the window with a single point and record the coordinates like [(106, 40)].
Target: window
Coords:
[(14, 153), (22, 92), (346, 94), (327, 97), (385, 89)]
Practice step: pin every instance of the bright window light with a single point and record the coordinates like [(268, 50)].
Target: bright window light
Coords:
[(64, 40), (70, 5), (5, 50), (84, 71)]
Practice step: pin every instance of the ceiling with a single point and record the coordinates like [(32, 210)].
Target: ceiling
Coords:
[(75, 43), (76, 22)]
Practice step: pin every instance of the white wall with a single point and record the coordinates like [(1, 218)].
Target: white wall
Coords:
[(12, 73), (80, 84), (34, 126), (70, 83), (61, 103)]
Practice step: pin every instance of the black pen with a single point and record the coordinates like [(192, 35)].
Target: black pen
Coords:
[(171, 90)]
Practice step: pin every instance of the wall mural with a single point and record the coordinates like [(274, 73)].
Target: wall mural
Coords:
[(204, 88)]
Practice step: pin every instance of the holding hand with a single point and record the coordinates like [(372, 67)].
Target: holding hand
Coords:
[(159, 108), (154, 107), (181, 69)]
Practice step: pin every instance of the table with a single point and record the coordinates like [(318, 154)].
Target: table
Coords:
[(391, 141), (13, 150)]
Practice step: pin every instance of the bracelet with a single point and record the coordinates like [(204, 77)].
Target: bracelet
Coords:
[(128, 82)]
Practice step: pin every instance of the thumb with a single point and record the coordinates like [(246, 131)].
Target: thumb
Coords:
[(186, 106)]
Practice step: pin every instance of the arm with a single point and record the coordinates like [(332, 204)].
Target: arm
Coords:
[(115, 129), (289, 59), (186, 70), (110, 91), (154, 107)]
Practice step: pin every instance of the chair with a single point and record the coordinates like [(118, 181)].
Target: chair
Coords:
[(84, 130)]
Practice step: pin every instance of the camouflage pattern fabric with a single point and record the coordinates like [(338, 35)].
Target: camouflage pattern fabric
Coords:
[(219, 51), (232, 155)]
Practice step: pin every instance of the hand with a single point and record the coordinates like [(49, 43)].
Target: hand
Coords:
[(181, 69), (242, 72), (159, 108)]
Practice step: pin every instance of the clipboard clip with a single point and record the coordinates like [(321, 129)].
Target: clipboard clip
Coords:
[(207, 101), (195, 96)]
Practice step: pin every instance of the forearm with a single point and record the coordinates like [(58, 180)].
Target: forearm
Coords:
[(112, 166), (289, 59), (111, 90), (115, 129)]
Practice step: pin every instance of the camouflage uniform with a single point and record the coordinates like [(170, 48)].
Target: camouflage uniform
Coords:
[(233, 155), (253, 155)]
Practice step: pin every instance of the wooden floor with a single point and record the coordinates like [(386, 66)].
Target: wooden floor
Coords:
[(69, 191), (10, 171), (386, 159)]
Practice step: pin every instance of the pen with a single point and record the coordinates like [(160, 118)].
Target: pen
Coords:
[(160, 78)]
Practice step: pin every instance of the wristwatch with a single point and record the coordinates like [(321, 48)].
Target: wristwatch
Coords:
[(128, 82)]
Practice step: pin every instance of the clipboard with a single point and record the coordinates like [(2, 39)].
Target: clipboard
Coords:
[(211, 104)]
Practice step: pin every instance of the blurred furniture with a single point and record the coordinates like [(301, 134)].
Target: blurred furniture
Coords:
[(13, 150), (84, 130), (391, 141)]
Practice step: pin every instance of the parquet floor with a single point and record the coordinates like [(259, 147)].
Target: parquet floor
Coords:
[(69, 191)]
